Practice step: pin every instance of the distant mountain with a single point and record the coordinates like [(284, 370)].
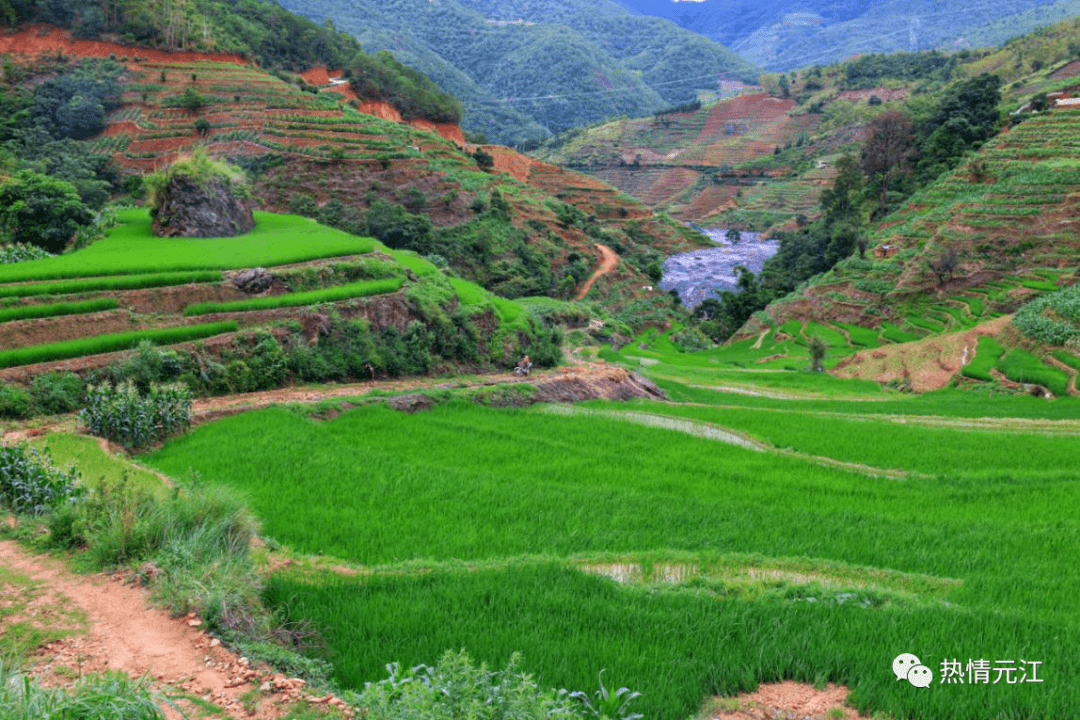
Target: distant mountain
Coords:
[(782, 34), (527, 69)]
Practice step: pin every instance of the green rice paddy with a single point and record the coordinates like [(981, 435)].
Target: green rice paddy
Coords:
[(130, 249), (121, 282), (364, 288), (27, 312), (502, 530), (109, 343)]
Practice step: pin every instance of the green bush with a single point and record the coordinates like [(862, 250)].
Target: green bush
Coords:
[(145, 365), (21, 252), (456, 687), (41, 210), (15, 403), (31, 485), (56, 392)]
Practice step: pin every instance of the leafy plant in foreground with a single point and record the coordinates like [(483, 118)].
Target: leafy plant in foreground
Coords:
[(111, 694), (606, 704), (457, 688), (30, 484)]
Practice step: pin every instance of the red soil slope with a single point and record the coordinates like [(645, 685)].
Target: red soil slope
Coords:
[(41, 38)]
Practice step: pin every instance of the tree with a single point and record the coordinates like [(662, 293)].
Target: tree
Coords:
[(192, 99), (733, 236), (967, 115), (889, 148), (945, 263), (841, 201), (817, 349), (41, 210), (398, 228), (484, 159)]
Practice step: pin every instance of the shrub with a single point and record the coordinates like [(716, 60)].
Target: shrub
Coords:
[(41, 210), (121, 414), (31, 485), (15, 403), (456, 687), (21, 252), (147, 364), (56, 392), (691, 340), (267, 362)]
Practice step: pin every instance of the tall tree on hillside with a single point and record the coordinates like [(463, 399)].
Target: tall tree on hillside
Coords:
[(888, 153)]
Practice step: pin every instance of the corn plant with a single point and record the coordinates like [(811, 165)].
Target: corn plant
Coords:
[(31, 485), (122, 414), (607, 704)]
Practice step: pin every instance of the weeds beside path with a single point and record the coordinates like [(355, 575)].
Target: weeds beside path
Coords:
[(122, 632)]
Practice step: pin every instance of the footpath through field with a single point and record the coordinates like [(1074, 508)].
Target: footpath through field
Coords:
[(123, 633)]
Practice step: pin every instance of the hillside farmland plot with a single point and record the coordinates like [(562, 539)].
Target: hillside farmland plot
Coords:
[(485, 529)]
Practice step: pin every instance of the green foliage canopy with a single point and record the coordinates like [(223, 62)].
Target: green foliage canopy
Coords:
[(41, 210)]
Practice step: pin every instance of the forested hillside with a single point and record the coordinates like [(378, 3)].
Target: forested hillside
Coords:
[(780, 34), (264, 32), (526, 69)]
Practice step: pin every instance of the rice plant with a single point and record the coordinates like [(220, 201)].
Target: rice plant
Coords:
[(364, 288), (1021, 366), (987, 354), (110, 343), (27, 312), (118, 282)]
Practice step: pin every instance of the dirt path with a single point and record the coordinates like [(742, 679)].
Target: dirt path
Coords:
[(124, 633), (608, 261)]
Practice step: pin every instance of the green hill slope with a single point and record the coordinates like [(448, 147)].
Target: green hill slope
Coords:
[(526, 70)]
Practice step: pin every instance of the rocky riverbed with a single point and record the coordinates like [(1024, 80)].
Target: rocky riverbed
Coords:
[(704, 273)]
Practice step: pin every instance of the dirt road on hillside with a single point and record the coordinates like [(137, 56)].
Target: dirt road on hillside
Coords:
[(608, 261)]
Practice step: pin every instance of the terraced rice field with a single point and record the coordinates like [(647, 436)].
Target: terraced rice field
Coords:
[(796, 527), (133, 287), (249, 112)]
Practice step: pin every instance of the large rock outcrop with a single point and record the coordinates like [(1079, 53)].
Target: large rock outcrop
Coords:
[(190, 208), (199, 196)]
